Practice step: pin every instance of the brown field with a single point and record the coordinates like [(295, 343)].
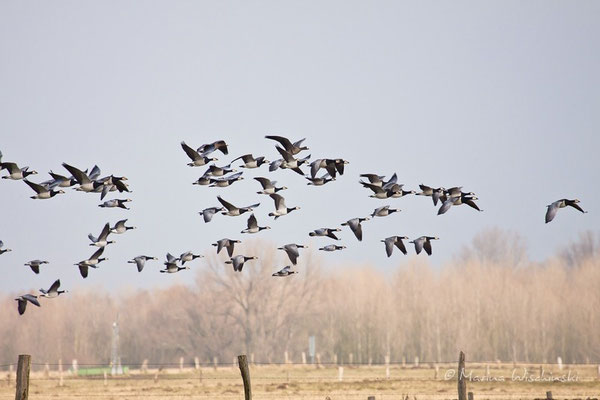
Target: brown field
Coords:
[(308, 382)]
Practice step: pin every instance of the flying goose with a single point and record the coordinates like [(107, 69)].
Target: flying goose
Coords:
[(292, 251), (198, 160), (319, 181), (35, 265), (140, 261), (463, 198), (285, 271), (93, 262), (392, 241), (115, 203), (14, 172), (101, 240), (120, 227), (214, 146), (289, 162), (60, 181), (325, 232), (86, 184), (562, 203), (226, 243), (292, 148), (226, 180), (43, 192), (424, 242), (280, 208), (251, 162), (268, 186), (203, 180), (53, 291), (2, 251), (253, 225), (384, 211), (332, 247), (335, 166), (171, 265), (189, 256), (379, 192), (238, 262), (234, 211), (22, 305), (208, 213), (219, 171), (355, 226), (435, 193), (374, 179)]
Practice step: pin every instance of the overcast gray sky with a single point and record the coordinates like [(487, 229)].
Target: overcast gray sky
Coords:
[(499, 97)]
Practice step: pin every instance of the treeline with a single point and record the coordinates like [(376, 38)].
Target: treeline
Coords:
[(490, 302)]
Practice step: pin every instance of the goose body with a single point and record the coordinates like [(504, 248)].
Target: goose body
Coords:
[(92, 262), (234, 211), (35, 265), (227, 180), (86, 184), (292, 251), (332, 247), (329, 232), (42, 192), (268, 186), (14, 172), (228, 244), (355, 225), (114, 203), (171, 266), (214, 146), (219, 171), (102, 239), (392, 241), (285, 271), (53, 291), (292, 148), (238, 262), (24, 299), (280, 207), (2, 251), (189, 256), (423, 242), (120, 227), (384, 211), (562, 203), (198, 160), (253, 225), (251, 162), (208, 213), (140, 261), (319, 181)]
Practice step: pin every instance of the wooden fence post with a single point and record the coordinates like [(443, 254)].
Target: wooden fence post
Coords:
[(548, 395), (245, 371), (470, 395), (23, 367), (462, 385)]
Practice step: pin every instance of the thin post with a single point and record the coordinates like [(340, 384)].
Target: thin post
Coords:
[(462, 384), (245, 371), (46, 371), (470, 395), (548, 395), (145, 366), (180, 364), (60, 373), (285, 357), (196, 363), (303, 358), (23, 367), (105, 379), (215, 362), (340, 374)]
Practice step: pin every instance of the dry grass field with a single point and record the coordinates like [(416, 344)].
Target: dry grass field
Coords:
[(311, 383)]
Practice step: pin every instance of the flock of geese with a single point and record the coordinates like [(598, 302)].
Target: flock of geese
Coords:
[(225, 176)]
